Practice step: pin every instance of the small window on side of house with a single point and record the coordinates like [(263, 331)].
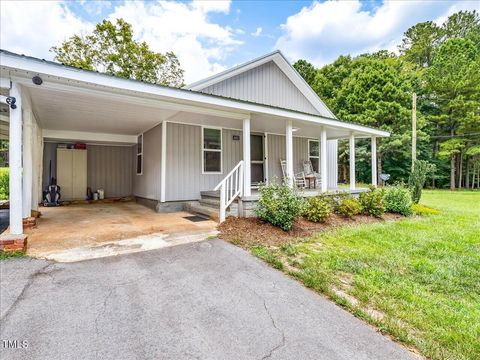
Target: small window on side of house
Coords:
[(140, 154), (211, 151)]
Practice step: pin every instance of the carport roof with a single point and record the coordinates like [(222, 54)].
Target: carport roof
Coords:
[(19, 67)]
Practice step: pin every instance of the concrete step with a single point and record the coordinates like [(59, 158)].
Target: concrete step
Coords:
[(196, 208), (210, 202), (210, 194)]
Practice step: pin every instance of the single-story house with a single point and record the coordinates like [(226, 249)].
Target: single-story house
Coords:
[(166, 146)]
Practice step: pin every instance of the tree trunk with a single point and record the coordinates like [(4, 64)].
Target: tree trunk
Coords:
[(460, 169), (467, 174), (452, 172), (435, 150), (473, 176)]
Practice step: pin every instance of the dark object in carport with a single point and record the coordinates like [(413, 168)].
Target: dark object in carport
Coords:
[(51, 196), (195, 218)]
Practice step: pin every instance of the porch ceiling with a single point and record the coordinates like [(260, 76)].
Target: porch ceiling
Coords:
[(58, 110)]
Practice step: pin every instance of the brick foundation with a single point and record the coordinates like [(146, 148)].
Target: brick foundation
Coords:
[(12, 243)]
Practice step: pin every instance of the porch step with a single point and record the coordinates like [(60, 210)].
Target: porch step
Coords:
[(210, 202), (210, 194), (195, 207)]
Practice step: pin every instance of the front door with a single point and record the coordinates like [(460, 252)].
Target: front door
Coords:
[(257, 159)]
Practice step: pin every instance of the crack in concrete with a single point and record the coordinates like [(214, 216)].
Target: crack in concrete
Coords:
[(282, 342), (21, 296)]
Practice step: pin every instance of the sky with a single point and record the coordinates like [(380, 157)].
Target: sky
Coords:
[(211, 36)]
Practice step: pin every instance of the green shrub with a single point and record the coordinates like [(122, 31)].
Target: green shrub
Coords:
[(420, 209), (279, 205), (318, 209), (372, 202), (398, 200), (4, 183), (418, 175), (349, 208)]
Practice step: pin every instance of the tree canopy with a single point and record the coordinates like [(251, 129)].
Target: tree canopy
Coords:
[(112, 49), (441, 64)]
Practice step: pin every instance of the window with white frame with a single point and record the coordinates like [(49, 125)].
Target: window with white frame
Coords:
[(140, 154), (314, 154), (212, 150)]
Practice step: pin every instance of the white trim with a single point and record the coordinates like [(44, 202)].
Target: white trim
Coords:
[(351, 143), (289, 151), (88, 82), (374, 160), (139, 154), (314, 157), (163, 163), (322, 150), (88, 136), (5, 83), (212, 150), (247, 175), (265, 154)]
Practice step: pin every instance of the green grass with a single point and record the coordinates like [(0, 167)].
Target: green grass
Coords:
[(420, 275), (9, 255)]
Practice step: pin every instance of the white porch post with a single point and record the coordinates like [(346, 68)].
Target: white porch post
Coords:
[(15, 162), (352, 161), (163, 163), (374, 161), (27, 163), (247, 188), (323, 160), (289, 151)]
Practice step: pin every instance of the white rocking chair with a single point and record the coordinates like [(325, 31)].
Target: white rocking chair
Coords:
[(299, 178), (309, 171)]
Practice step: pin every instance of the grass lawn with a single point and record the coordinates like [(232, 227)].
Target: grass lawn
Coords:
[(417, 279)]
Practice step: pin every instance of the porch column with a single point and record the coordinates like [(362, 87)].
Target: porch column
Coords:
[(374, 161), (15, 162), (289, 151), (27, 163), (352, 161), (323, 160), (247, 187)]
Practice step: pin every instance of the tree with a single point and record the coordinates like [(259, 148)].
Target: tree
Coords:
[(112, 49), (306, 70), (419, 42)]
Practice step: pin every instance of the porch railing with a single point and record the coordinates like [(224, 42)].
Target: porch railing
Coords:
[(230, 187)]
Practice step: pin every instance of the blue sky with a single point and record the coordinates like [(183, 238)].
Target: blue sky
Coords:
[(210, 36)]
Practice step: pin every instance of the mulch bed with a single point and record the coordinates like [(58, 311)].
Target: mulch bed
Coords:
[(247, 232)]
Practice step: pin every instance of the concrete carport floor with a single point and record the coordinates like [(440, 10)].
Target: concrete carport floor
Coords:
[(85, 231)]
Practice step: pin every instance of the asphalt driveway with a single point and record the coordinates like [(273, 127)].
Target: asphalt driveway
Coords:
[(207, 300)]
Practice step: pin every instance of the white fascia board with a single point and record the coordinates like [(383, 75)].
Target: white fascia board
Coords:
[(80, 78), (84, 136), (4, 83)]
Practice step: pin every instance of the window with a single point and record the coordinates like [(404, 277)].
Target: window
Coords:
[(314, 154), (212, 150), (140, 154)]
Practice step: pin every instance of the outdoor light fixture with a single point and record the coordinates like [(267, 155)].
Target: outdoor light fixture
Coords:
[(295, 129), (37, 80), (11, 102)]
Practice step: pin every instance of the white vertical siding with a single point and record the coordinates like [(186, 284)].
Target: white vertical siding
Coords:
[(276, 151), (110, 168), (266, 84), (184, 178), (148, 184)]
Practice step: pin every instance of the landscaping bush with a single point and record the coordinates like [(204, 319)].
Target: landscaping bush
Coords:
[(372, 202), (416, 180), (349, 208), (4, 183), (398, 200), (318, 209), (419, 209), (279, 205)]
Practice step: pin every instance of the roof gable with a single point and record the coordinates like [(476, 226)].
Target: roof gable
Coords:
[(269, 80)]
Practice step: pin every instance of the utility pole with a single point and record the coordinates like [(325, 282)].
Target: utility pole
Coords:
[(414, 128)]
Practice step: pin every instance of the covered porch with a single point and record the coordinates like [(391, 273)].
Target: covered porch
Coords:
[(148, 141)]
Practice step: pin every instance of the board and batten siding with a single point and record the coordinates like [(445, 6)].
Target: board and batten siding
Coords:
[(148, 184), (108, 167), (184, 178), (277, 150), (265, 84)]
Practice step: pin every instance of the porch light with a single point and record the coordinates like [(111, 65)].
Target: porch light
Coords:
[(295, 129), (37, 80)]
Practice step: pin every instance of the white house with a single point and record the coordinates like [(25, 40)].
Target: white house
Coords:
[(166, 145)]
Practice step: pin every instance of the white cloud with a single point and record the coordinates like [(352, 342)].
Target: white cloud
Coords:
[(184, 28), (33, 27), (257, 32), (323, 31)]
